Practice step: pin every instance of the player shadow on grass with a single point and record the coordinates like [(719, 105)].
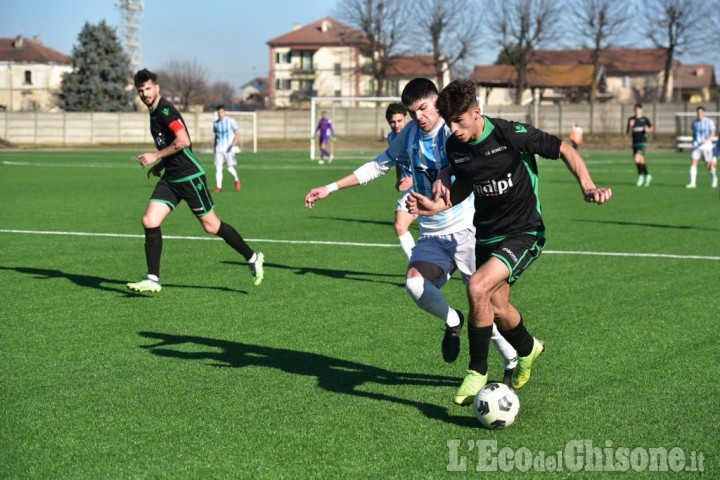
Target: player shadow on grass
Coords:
[(338, 274), (333, 374), (101, 283), (388, 223)]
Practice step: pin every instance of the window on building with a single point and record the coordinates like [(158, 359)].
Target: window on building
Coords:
[(338, 69), (626, 81), (287, 84), (288, 57), (306, 61), (338, 93), (28, 77)]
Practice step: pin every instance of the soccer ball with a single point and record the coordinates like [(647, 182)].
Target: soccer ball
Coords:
[(496, 406)]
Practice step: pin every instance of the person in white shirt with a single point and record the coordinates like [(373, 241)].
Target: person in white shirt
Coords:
[(227, 136)]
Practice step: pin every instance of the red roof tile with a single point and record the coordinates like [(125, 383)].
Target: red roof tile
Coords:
[(411, 66), (25, 50), (322, 33), (695, 76), (616, 60), (538, 76)]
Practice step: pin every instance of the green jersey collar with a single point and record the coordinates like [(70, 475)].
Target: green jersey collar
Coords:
[(487, 130)]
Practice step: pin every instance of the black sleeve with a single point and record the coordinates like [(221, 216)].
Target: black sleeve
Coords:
[(527, 138)]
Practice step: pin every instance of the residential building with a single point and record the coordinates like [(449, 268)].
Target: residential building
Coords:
[(548, 83), (30, 74), (627, 75), (694, 83), (328, 58)]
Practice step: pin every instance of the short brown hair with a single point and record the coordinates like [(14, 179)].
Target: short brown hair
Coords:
[(457, 98)]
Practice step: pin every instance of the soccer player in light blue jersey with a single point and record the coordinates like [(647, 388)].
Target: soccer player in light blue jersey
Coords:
[(227, 135), (397, 117), (447, 240), (703, 133)]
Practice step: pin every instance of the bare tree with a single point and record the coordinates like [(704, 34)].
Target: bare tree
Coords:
[(598, 23), (453, 32), (676, 26), (523, 26), (384, 23), (185, 82), (220, 93)]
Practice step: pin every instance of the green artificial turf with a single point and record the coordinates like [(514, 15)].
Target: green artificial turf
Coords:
[(328, 369)]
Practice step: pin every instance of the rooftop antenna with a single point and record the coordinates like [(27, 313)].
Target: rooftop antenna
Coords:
[(132, 11)]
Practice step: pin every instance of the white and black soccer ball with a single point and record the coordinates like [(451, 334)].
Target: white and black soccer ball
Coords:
[(496, 406)]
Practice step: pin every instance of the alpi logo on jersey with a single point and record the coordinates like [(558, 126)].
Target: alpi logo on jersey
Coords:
[(493, 188)]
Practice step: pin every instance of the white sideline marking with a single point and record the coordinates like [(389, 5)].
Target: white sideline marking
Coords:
[(355, 244), (310, 165)]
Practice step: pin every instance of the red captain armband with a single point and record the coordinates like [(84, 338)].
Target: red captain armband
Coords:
[(176, 125)]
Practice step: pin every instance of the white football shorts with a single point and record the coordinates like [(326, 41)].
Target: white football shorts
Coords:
[(704, 151), (225, 157), (401, 207), (448, 251)]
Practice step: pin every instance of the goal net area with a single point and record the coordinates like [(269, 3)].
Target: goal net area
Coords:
[(360, 126), (247, 124), (358, 122), (683, 128)]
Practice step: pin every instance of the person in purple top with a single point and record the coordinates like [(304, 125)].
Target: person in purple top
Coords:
[(325, 127)]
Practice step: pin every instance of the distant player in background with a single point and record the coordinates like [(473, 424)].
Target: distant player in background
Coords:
[(397, 117), (327, 134), (703, 132), (447, 240), (227, 135), (576, 135), (183, 179), (639, 125)]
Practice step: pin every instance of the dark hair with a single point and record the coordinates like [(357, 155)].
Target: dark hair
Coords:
[(700, 108), (220, 107), (417, 89), (143, 76), (457, 98), (394, 109), (638, 105)]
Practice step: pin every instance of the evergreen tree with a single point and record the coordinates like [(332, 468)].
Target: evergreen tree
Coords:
[(101, 74)]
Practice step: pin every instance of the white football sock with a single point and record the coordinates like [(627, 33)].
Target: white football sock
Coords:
[(234, 174), (506, 350), (218, 176), (407, 243), (693, 174)]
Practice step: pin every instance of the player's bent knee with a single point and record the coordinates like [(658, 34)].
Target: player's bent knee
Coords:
[(415, 287)]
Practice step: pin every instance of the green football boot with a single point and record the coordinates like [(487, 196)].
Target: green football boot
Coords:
[(524, 365), (256, 268), (471, 385), (145, 286)]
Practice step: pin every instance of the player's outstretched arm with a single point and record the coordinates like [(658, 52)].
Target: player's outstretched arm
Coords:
[(577, 167), (319, 193)]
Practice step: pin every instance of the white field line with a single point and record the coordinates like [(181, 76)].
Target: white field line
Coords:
[(133, 164), (355, 244)]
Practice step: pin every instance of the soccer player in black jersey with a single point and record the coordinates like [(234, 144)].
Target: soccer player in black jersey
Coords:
[(640, 126), (183, 179), (495, 159)]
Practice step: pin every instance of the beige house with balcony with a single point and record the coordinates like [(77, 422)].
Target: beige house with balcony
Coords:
[(325, 59), (30, 74)]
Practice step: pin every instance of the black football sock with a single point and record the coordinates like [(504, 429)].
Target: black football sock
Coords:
[(153, 249), (644, 169), (233, 238), (639, 168), (520, 339), (479, 346)]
